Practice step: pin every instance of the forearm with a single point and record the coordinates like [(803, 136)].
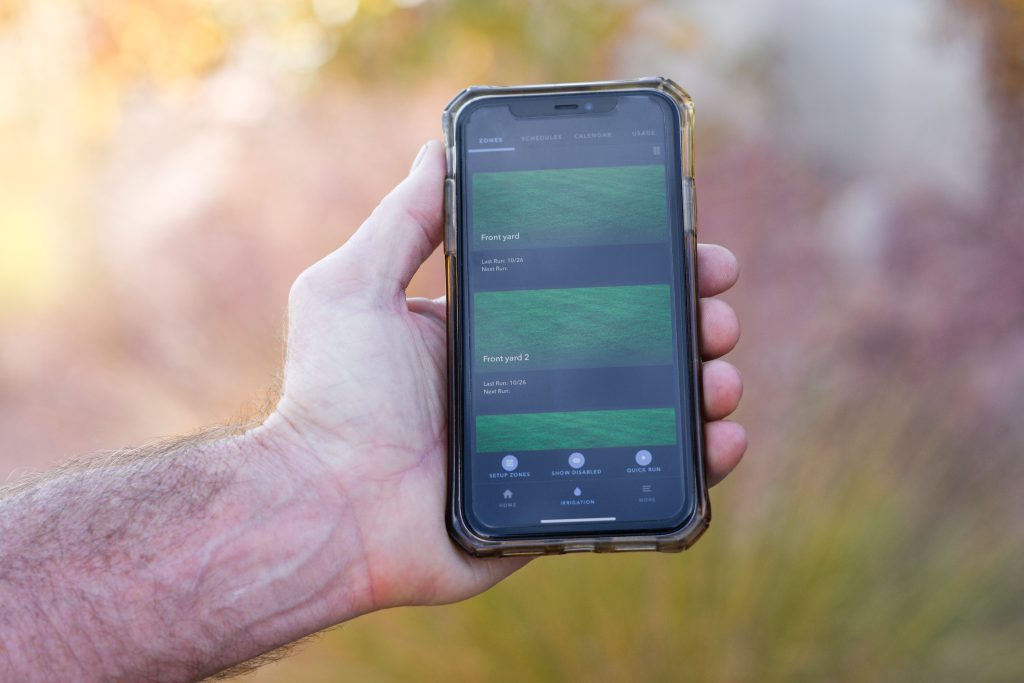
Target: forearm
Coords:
[(172, 562)]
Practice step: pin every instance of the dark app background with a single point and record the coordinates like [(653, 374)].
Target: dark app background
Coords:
[(573, 398)]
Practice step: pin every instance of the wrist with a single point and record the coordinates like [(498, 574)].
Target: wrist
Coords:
[(272, 559), (187, 558), (285, 559)]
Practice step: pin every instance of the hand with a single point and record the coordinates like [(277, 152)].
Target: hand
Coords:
[(365, 394)]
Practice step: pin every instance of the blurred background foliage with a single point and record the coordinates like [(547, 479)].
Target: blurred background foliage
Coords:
[(167, 167)]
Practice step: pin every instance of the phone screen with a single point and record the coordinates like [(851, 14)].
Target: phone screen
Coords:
[(576, 414)]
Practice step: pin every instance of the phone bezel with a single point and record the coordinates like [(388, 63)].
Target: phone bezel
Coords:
[(683, 528)]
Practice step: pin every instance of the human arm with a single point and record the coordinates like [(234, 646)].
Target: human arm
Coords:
[(175, 561)]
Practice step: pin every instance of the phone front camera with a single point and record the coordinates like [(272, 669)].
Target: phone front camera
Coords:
[(589, 106)]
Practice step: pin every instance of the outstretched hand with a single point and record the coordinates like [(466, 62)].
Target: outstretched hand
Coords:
[(334, 506), (365, 394)]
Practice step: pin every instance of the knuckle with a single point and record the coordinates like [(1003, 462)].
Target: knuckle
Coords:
[(305, 286), (413, 219), (335, 277)]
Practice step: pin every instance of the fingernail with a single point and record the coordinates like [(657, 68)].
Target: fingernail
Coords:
[(419, 157)]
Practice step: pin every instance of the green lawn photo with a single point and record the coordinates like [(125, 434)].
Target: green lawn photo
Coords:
[(570, 206), (579, 429), (573, 328)]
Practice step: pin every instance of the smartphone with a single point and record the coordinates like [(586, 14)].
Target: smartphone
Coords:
[(570, 240)]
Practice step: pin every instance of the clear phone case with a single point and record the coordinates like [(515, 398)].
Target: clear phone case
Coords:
[(481, 546)]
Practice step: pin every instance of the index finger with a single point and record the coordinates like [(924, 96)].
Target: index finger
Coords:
[(717, 269)]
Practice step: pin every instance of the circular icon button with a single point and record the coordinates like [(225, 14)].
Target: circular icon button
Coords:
[(576, 461), (509, 463), (643, 458)]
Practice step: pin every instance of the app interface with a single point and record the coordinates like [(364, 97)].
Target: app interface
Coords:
[(574, 394)]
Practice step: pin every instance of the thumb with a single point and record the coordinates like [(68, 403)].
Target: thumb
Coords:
[(406, 226)]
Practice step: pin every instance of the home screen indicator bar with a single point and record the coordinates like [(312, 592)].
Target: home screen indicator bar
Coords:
[(577, 520)]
